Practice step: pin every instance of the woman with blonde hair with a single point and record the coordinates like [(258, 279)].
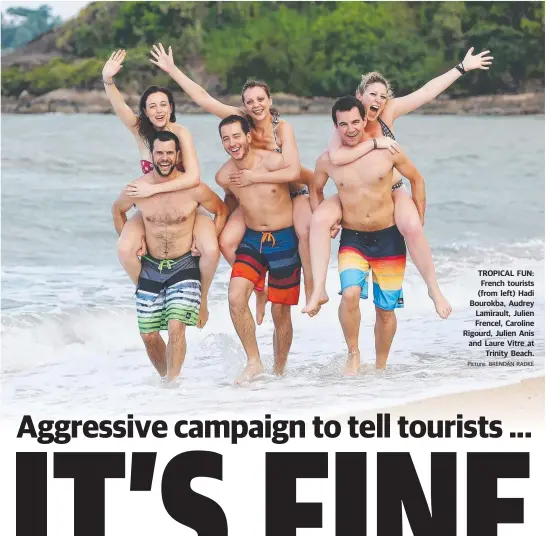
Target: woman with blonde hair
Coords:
[(382, 109)]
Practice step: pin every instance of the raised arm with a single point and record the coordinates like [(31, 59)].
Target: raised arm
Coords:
[(189, 178), (341, 154), (196, 93), (206, 197), (121, 206), (409, 103), (122, 109), (405, 166), (320, 178)]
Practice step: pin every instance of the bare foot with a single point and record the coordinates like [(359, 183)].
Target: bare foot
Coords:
[(443, 307), (251, 371), (313, 305), (170, 380), (261, 300), (353, 364), (203, 315)]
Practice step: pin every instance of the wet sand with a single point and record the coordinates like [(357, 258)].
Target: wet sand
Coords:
[(516, 405)]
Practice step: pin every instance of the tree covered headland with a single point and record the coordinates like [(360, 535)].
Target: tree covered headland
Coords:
[(306, 48), (27, 25)]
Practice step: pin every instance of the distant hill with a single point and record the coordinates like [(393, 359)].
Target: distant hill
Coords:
[(72, 55), (22, 24), (302, 48)]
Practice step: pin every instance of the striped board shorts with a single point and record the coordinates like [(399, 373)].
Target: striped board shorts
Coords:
[(168, 289), (384, 253), (276, 252)]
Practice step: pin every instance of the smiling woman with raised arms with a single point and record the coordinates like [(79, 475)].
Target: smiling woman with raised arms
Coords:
[(382, 109), (269, 132), (157, 112)]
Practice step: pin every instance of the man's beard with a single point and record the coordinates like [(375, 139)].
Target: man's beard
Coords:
[(160, 171)]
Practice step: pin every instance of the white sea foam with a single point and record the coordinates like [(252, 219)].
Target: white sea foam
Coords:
[(75, 357), (70, 343)]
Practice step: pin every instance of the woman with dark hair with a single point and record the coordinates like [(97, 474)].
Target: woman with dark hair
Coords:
[(269, 132), (382, 109), (157, 112)]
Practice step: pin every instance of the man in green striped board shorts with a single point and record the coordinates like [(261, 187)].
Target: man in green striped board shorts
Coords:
[(168, 295)]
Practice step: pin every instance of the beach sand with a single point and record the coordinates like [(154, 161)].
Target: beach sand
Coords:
[(516, 405)]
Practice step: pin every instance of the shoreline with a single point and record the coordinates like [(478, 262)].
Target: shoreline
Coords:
[(95, 102), (516, 404)]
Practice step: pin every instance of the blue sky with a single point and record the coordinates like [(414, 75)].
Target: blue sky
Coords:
[(65, 10)]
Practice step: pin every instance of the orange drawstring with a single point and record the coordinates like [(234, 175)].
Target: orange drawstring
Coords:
[(267, 237)]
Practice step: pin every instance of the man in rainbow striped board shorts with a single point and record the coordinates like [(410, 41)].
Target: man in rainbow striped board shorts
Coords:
[(370, 239), (168, 295), (270, 244)]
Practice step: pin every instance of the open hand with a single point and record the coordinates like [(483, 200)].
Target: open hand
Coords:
[(384, 142), (139, 189), (479, 61), (241, 178), (161, 58), (113, 65)]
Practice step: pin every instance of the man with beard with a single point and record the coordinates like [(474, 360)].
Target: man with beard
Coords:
[(269, 244), (168, 295), (370, 239)]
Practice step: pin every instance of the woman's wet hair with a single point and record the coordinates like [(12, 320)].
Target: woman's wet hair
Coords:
[(373, 78), (145, 128), (252, 82)]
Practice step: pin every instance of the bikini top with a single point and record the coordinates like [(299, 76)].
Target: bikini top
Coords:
[(385, 129), (276, 120), (148, 166)]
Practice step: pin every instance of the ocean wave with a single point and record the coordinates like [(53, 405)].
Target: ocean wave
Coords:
[(96, 360), (514, 252), (453, 205)]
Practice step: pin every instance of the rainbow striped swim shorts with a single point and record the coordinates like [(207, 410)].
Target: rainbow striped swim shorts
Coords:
[(384, 253)]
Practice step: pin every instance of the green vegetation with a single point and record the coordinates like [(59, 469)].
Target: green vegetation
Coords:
[(307, 48), (28, 24), (55, 74)]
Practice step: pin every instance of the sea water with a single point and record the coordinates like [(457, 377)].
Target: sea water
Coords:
[(70, 342)]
